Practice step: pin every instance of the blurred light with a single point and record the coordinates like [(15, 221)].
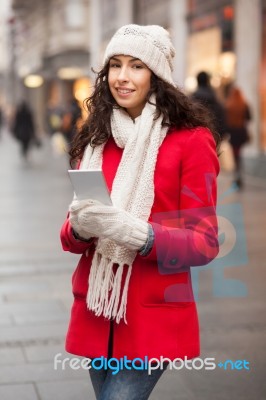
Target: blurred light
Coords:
[(227, 62), (81, 94), (191, 83), (69, 73), (228, 12), (33, 81), (82, 89)]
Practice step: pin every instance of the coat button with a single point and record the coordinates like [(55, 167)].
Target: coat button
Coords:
[(173, 261)]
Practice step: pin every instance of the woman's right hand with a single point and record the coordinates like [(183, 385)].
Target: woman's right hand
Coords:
[(75, 208)]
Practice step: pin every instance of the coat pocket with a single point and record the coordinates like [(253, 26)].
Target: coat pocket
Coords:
[(165, 290)]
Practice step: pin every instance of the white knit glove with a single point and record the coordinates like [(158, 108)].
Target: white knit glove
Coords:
[(74, 211), (90, 218)]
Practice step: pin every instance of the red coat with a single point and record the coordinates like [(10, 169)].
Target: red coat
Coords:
[(161, 311)]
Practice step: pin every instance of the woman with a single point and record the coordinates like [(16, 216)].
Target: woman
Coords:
[(132, 287), (237, 117)]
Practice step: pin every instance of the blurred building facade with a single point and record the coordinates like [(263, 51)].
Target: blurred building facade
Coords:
[(4, 62), (262, 87), (60, 40), (50, 52)]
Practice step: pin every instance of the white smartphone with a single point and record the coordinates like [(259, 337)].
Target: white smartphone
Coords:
[(90, 184)]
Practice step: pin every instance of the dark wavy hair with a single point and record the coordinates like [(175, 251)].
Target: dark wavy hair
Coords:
[(178, 111)]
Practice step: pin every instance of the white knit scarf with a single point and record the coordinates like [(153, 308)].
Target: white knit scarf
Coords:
[(133, 191)]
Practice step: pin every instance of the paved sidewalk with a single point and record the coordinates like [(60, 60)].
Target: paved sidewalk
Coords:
[(255, 166), (35, 293)]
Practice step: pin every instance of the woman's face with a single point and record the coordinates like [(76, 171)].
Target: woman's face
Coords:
[(129, 80)]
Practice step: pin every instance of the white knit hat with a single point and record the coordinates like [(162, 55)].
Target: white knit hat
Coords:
[(151, 44)]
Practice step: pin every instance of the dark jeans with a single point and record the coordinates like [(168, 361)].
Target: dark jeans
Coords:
[(125, 385)]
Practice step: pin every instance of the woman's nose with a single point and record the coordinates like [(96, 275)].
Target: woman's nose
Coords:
[(123, 74)]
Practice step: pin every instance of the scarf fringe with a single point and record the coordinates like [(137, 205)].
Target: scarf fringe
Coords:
[(123, 306), (106, 298)]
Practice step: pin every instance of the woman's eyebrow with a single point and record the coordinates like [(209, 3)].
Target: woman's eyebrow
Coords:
[(131, 60)]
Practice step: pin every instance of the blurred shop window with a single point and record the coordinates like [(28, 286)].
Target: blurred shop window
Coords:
[(74, 14)]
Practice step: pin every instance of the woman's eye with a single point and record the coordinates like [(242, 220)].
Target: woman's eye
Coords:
[(138, 66), (114, 65)]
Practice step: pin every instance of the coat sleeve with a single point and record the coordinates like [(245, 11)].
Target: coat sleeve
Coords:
[(189, 236), (69, 243)]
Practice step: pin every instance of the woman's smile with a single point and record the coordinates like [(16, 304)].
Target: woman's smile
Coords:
[(124, 92)]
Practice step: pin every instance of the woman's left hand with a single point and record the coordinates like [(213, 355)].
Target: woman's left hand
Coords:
[(93, 218)]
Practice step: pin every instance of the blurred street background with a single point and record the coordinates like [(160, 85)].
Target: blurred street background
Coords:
[(48, 48)]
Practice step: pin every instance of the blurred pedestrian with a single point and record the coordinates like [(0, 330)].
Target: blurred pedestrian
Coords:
[(157, 153), (237, 117), (54, 115), (54, 118), (70, 120), (206, 95), (23, 128)]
